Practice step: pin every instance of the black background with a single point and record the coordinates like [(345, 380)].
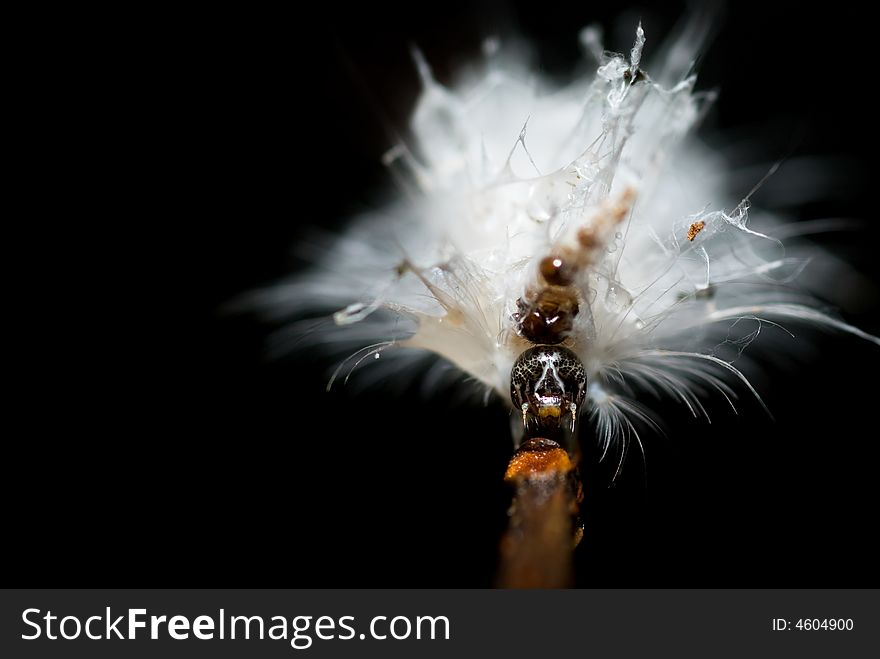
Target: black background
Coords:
[(161, 447)]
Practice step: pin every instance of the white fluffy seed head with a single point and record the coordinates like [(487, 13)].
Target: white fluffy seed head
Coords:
[(508, 169)]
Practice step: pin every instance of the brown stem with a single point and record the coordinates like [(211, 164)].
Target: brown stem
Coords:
[(536, 550)]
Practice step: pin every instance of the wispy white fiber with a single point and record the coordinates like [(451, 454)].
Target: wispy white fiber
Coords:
[(508, 168)]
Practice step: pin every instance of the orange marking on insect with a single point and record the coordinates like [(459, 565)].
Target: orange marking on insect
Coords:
[(538, 457), (694, 229), (549, 410)]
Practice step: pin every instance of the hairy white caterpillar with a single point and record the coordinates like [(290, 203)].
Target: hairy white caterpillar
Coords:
[(595, 191)]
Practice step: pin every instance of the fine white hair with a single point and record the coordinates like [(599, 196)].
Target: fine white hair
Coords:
[(504, 169)]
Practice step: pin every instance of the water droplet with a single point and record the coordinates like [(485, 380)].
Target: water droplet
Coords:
[(617, 298), (376, 356)]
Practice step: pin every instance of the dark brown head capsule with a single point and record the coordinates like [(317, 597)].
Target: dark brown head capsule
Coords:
[(546, 316), (548, 384)]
